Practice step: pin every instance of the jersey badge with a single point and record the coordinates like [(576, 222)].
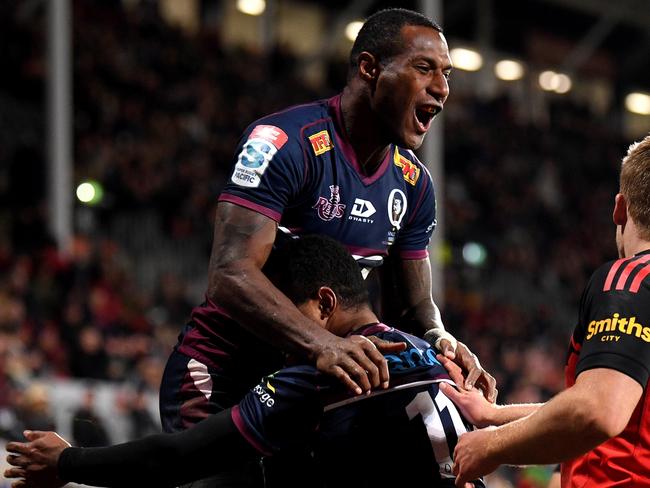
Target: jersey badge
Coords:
[(330, 209), (255, 156), (362, 210), (410, 170), (320, 142), (396, 207)]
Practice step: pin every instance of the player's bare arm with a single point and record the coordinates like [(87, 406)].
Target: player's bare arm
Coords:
[(596, 408), (415, 281), (243, 240)]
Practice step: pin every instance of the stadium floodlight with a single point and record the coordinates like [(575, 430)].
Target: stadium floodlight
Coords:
[(638, 103), (563, 83), (466, 59), (90, 192), (352, 29), (556, 82), (509, 70), (251, 7)]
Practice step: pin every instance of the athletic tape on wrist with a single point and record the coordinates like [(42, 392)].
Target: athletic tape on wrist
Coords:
[(435, 336)]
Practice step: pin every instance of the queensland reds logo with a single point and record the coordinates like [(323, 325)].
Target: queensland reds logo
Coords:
[(330, 209), (396, 207)]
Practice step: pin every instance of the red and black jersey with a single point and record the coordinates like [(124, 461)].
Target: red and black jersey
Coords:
[(613, 332)]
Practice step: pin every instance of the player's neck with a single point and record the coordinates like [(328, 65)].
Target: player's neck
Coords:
[(633, 243), (346, 321), (363, 131)]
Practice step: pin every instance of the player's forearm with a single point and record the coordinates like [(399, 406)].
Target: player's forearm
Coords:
[(251, 299), (159, 460), (503, 414), (561, 429)]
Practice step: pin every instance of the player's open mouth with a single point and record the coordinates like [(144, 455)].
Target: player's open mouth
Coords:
[(424, 114)]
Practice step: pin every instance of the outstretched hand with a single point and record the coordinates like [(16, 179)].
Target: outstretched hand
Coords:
[(36, 461), (357, 361), (476, 376)]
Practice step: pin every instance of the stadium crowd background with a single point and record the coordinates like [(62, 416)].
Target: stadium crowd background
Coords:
[(157, 114)]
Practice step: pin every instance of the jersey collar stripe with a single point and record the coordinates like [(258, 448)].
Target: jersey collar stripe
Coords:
[(620, 285), (358, 398), (638, 279), (612, 273)]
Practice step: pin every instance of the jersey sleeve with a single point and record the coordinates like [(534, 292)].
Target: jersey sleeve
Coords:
[(413, 239), (615, 320), (282, 412), (269, 171)]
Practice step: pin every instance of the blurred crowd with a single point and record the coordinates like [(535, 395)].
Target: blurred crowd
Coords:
[(157, 116)]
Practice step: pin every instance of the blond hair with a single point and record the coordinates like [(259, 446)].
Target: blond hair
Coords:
[(635, 184)]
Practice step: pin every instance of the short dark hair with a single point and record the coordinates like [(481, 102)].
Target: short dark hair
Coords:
[(301, 266), (381, 33)]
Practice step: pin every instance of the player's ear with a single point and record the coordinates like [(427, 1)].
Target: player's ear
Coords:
[(620, 210), (327, 302), (368, 67)]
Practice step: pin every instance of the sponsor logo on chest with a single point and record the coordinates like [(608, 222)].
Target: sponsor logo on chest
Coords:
[(321, 142), (410, 170), (362, 210)]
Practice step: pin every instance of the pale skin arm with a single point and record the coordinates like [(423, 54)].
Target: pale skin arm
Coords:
[(243, 240), (415, 283), (596, 408)]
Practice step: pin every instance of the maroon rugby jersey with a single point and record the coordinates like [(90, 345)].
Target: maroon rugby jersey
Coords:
[(298, 168)]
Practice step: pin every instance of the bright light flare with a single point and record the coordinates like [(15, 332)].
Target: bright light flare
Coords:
[(352, 29), (555, 82), (251, 7), (466, 59), (509, 70), (90, 192), (638, 103)]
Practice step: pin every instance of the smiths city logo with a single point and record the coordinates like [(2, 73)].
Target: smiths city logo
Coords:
[(330, 209), (256, 154), (610, 329), (321, 142), (410, 170)]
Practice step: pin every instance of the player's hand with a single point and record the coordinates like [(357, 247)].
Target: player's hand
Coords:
[(355, 361), (36, 461), (387, 347), (473, 456), (476, 375), (472, 404)]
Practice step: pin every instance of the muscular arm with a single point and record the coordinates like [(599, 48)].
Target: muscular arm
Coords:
[(414, 280), (596, 408), (243, 240)]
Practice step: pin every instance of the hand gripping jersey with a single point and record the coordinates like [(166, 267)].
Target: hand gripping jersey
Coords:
[(614, 332), (298, 168), (395, 437)]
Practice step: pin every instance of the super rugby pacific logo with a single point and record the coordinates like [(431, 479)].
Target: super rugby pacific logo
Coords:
[(330, 209)]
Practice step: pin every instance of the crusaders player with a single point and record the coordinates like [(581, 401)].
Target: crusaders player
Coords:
[(599, 427), (411, 424)]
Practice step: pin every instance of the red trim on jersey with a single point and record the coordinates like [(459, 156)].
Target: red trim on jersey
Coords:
[(638, 279), (240, 423), (242, 202), (365, 251), (620, 285), (418, 254), (612, 273)]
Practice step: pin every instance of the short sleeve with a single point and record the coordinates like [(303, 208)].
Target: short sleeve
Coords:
[(413, 239), (282, 412), (615, 321), (268, 173)]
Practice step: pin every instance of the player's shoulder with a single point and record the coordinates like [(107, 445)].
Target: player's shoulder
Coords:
[(292, 120), (414, 172), (623, 276)]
